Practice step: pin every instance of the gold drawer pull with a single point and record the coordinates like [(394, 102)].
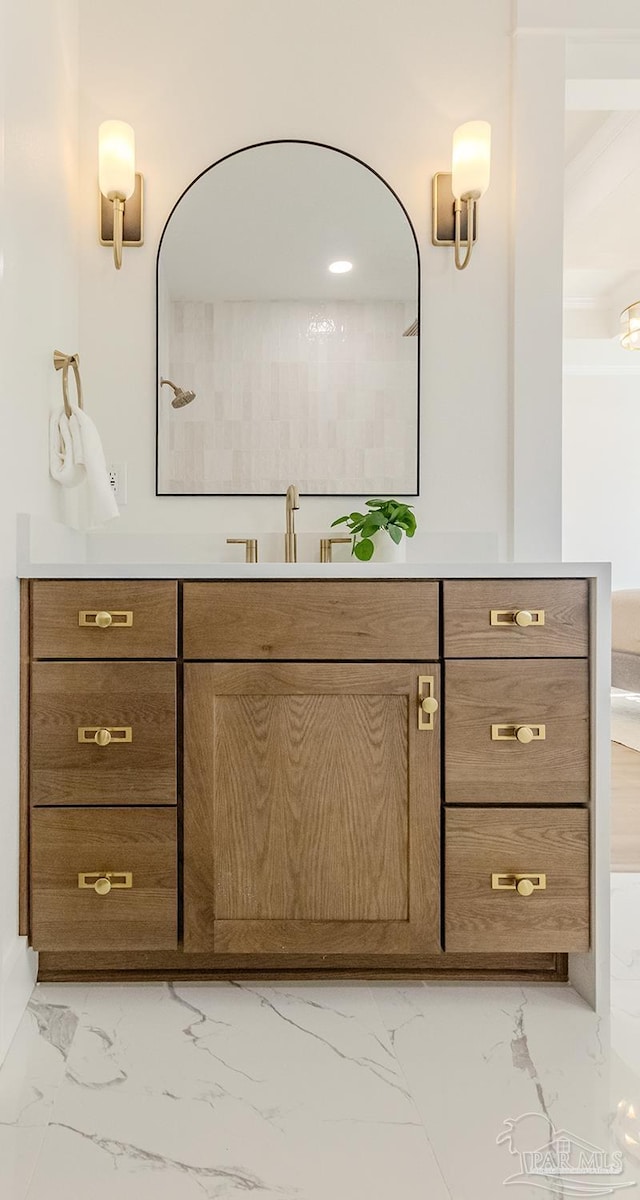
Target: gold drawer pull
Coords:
[(103, 881), (105, 735), (524, 885), (100, 619), (518, 733), (427, 703), (522, 617)]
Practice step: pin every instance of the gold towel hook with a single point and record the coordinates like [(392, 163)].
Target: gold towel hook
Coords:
[(62, 362)]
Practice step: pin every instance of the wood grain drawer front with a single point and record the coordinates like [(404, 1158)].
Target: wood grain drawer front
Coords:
[(481, 618), (483, 843), (133, 850), (104, 619), (311, 620), (73, 703), (493, 708)]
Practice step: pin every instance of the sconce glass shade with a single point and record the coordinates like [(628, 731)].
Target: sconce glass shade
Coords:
[(116, 160), (630, 326), (471, 160)]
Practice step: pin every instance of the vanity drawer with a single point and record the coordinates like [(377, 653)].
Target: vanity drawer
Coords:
[(318, 619), (482, 618), (130, 853), (492, 709), (487, 847), (104, 619), (71, 703)]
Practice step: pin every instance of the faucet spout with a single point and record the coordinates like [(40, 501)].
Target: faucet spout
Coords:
[(292, 503)]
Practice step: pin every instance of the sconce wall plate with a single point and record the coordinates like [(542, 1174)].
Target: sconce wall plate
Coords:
[(442, 233), (133, 217)]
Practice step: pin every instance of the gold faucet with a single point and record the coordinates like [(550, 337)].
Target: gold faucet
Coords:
[(290, 538)]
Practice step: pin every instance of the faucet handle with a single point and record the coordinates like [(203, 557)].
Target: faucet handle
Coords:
[(250, 547), (326, 545)]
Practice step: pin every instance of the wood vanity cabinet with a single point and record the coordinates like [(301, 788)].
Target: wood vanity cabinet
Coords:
[(292, 778)]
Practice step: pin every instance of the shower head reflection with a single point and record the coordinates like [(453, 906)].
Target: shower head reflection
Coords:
[(180, 398)]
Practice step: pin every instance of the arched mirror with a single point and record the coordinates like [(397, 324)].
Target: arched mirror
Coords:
[(288, 329)]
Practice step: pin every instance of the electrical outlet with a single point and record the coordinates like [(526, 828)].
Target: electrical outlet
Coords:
[(118, 481)]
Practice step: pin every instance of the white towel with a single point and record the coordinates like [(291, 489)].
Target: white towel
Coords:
[(76, 456)]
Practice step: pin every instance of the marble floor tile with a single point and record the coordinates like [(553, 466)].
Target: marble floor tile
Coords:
[(320, 1091), (238, 1041), (30, 1076), (36, 1063), (20, 1147), (219, 1089), (478, 1058), (150, 1147)]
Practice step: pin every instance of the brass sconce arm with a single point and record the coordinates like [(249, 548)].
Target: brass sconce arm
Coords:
[(470, 206), (118, 230)]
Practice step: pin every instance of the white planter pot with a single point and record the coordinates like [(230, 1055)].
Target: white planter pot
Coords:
[(386, 549)]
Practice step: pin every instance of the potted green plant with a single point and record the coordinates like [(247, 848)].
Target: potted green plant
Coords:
[(379, 532)]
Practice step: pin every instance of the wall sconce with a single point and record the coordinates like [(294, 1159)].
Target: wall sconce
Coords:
[(455, 196), (120, 189), (630, 326)]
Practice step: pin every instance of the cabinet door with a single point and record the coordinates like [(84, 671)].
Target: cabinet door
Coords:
[(312, 799)]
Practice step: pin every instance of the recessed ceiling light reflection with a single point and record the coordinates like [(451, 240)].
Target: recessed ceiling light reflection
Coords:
[(340, 267)]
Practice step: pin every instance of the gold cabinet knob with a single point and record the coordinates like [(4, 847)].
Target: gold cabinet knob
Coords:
[(524, 734), (104, 735), (525, 884), (523, 618), (427, 703), (103, 881), (92, 618)]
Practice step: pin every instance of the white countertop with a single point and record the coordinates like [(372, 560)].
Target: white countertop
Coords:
[(283, 571)]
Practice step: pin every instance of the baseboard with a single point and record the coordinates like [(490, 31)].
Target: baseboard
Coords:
[(18, 974), (158, 966)]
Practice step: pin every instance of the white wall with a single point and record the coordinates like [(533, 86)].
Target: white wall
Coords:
[(38, 313), (601, 479), (387, 80)]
